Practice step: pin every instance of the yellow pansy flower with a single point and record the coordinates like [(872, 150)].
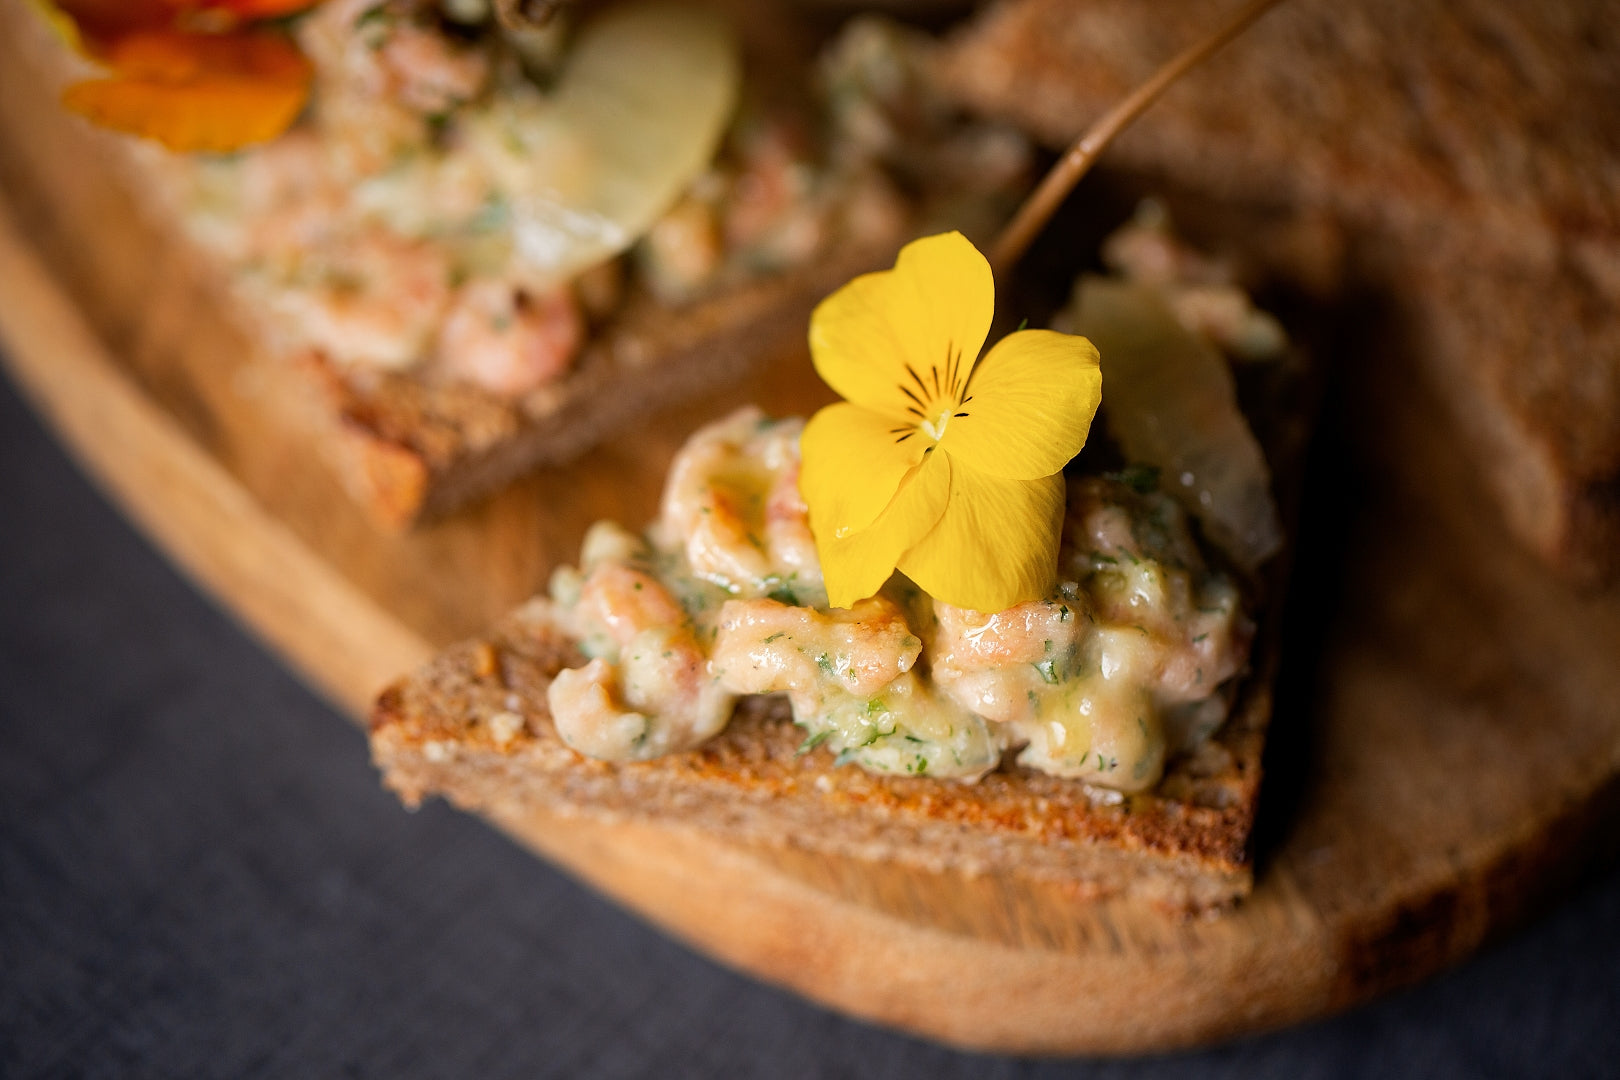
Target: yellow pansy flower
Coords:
[(940, 463)]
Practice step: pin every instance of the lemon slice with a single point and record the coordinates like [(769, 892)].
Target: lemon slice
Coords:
[(635, 117), (1171, 403)]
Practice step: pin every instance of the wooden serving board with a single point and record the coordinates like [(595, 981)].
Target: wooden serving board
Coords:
[(1444, 756)]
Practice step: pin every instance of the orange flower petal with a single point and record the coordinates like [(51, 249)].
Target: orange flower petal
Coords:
[(255, 9), (197, 92), (103, 21)]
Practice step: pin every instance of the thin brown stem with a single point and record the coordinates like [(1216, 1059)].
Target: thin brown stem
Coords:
[(1044, 201), (525, 14)]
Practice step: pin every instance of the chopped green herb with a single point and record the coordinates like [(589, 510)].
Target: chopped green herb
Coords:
[(1142, 479), (875, 707), (814, 741), (495, 215), (773, 637), (1199, 638), (824, 663), (1048, 670)]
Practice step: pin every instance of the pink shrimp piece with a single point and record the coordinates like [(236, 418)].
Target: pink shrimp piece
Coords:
[(627, 601), (764, 646), (787, 527), (508, 340), (430, 74), (375, 305), (1022, 634)]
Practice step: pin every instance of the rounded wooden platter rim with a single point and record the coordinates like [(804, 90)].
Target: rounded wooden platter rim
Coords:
[(1413, 843)]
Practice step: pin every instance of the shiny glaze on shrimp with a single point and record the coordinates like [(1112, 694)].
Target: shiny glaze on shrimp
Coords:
[(649, 692)]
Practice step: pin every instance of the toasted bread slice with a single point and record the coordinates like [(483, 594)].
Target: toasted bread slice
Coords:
[(474, 727), (409, 449), (1467, 146), (414, 442)]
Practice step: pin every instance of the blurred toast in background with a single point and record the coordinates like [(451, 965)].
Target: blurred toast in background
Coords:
[(1469, 152)]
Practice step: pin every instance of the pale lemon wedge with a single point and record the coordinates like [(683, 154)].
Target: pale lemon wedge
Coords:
[(1171, 403), (636, 115)]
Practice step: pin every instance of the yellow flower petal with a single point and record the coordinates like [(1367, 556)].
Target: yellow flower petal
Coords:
[(856, 566), (852, 466), (996, 544), (1029, 407), (924, 320)]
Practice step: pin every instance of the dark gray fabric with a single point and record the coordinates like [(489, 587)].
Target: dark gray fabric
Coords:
[(199, 876)]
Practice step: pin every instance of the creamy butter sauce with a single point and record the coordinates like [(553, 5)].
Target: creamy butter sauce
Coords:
[(1126, 663)]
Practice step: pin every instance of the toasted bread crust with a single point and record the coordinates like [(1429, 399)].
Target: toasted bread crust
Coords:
[(412, 448), (474, 727)]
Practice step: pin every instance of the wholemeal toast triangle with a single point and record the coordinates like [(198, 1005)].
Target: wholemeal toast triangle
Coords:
[(474, 727), (477, 725)]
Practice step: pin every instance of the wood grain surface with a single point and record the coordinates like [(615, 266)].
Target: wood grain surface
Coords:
[(1444, 755)]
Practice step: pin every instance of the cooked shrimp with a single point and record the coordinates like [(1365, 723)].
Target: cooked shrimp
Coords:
[(706, 515), (657, 696), (788, 539), (588, 716), (658, 701), (729, 501), (508, 340), (626, 602), (1212, 645), (1022, 634), (998, 664), (390, 53), (429, 72), (773, 180), (683, 251), (375, 302), (764, 646)]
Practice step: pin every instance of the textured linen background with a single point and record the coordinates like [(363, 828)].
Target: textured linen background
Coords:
[(200, 877)]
